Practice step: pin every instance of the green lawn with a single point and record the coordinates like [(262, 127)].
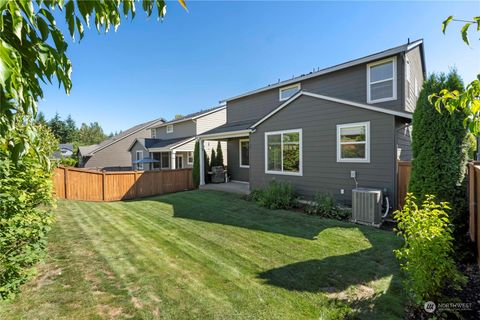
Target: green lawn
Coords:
[(206, 254)]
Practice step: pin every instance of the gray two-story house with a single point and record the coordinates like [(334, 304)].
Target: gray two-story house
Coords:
[(330, 130), (171, 144)]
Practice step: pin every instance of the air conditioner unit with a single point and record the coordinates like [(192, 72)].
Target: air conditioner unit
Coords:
[(367, 206)]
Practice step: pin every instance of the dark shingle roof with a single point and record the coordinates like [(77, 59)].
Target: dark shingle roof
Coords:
[(160, 143), (232, 126), (89, 150)]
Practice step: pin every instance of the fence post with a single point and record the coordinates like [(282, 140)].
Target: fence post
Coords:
[(135, 177), (103, 186), (65, 175)]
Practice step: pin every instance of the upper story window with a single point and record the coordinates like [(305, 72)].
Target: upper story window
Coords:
[(190, 157), (154, 133), (382, 80), (170, 128), (353, 142), (286, 92)]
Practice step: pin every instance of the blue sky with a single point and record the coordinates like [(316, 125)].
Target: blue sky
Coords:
[(191, 60)]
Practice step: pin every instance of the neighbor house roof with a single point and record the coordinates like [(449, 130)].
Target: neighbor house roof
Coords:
[(149, 143), (92, 149), (382, 54), (245, 127), (67, 146), (191, 116)]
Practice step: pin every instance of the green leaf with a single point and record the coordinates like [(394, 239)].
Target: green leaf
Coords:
[(475, 107), (465, 33), (477, 20), (7, 63), (70, 17), (445, 23), (43, 27), (80, 27)]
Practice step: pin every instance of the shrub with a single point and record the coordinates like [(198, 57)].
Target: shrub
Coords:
[(25, 197), (277, 195), (68, 162), (219, 159), (426, 255), (325, 206), (440, 152), (213, 159)]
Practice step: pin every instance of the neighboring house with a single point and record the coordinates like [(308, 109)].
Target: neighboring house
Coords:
[(66, 150), (172, 143), (112, 154), (320, 130)]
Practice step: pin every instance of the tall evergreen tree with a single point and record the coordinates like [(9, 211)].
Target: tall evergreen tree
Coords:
[(196, 165), (440, 153), (219, 155), (213, 159)]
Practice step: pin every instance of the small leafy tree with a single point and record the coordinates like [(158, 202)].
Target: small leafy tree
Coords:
[(219, 159), (213, 159), (196, 165), (426, 255), (440, 153), (90, 134)]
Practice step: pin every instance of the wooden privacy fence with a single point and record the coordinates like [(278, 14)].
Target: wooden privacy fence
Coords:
[(404, 170), (87, 185), (474, 207)]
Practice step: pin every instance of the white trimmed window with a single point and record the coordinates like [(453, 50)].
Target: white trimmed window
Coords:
[(154, 133), (170, 128), (138, 157), (190, 157), (283, 152), (382, 80), (286, 92), (165, 160), (244, 151), (353, 142)]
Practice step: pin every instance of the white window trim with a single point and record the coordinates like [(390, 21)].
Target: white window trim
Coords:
[(170, 128), (188, 157), (394, 78), (296, 85), (139, 165), (240, 152), (300, 142), (154, 133), (367, 142)]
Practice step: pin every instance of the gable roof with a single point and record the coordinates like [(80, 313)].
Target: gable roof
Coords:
[(86, 150), (191, 116), (342, 101), (376, 56), (66, 146), (92, 149)]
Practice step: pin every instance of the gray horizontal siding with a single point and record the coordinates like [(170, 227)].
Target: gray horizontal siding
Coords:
[(211, 120), (321, 171), (416, 72), (116, 156), (349, 84), (234, 170), (404, 140), (180, 130)]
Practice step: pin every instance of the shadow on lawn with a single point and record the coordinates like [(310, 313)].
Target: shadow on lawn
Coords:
[(342, 278), (345, 278)]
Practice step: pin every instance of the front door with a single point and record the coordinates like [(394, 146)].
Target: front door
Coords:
[(179, 161)]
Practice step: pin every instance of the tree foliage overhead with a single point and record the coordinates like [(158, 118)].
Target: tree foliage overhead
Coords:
[(33, 50), (468, 101)]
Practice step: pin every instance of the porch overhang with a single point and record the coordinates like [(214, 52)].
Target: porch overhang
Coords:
[(225, 135)]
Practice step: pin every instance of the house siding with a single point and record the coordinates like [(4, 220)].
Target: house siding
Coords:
[(133, 152), (211, 121), (416, 72), (234, 170), (403, 135), (115, 156), (321, 172), (349, 84), (181, 129)]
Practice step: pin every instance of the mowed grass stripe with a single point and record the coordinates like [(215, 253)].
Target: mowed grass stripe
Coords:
[(210, 255)]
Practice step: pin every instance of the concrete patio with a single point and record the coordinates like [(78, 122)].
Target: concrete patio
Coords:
[(232, 187)]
